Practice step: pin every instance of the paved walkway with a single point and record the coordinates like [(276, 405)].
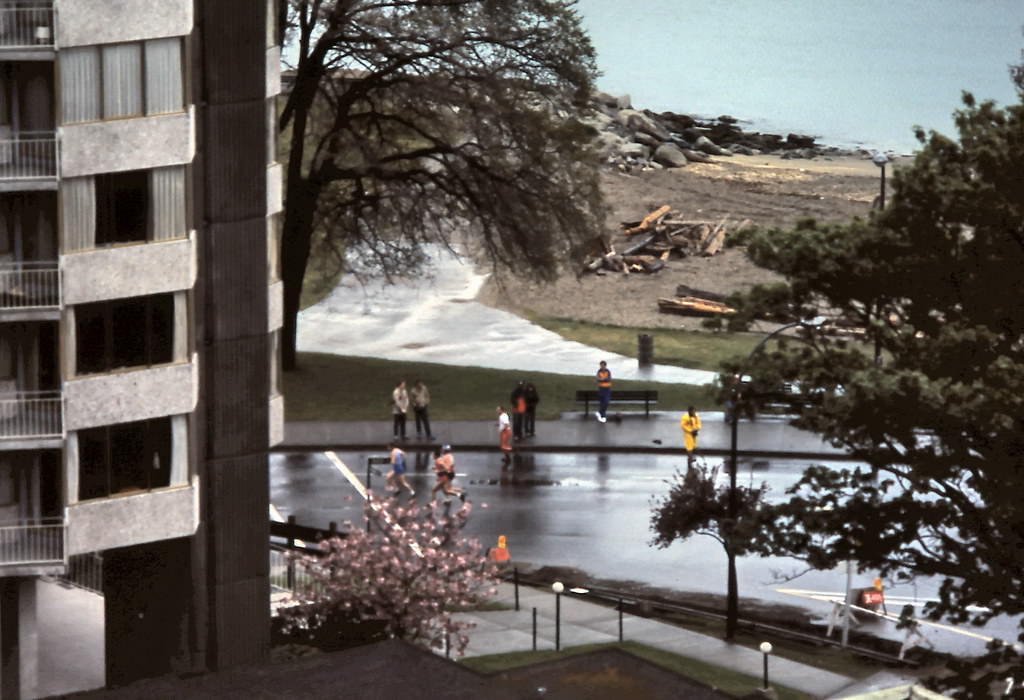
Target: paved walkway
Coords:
[(626, 432), (436, 319), (583, 622)]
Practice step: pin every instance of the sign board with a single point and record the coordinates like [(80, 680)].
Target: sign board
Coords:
[(870, 596)]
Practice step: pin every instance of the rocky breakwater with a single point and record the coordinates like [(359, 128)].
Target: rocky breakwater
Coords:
[(629, 138)]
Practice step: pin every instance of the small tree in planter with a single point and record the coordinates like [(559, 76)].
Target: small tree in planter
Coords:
[(408, 572)]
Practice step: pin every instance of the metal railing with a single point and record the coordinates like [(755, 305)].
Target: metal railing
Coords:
[(85, 571), (41, 542), (26, 155), (29, 285), (26, 24), (31, 414)]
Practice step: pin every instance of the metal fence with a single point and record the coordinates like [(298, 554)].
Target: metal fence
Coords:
[(31, 414), (26, 155), (42, 542), (288, 575), (25, 24), (85, 571), (29, 285)]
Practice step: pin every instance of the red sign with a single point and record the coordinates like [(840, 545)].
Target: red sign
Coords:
[(872, 597)]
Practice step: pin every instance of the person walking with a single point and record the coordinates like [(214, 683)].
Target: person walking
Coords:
[(690, 423), (397, 472), (532, 399), (444, 469), (420, 396), (518, 399), (399, 407), (504, 436), (604, 391)]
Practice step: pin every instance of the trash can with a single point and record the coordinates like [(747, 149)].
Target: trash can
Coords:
[(645, 350)]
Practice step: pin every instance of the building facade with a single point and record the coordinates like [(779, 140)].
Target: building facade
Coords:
[(139, 320)]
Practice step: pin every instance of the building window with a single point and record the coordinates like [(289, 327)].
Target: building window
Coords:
[(124, 458), (121, 80), (122, 206), (137, 332)]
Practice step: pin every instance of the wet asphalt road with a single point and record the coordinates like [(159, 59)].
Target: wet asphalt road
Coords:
[(589, 511)]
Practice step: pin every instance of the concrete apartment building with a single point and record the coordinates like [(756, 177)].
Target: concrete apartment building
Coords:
[(139, 320)]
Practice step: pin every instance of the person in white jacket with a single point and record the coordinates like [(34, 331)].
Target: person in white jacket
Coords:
[(399, 407), (504, 436)]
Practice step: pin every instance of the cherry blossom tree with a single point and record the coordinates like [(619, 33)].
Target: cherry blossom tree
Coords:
[(410, 569)]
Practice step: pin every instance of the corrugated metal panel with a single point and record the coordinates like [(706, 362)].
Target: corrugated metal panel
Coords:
[(238, 388), (163, 76), (122, 80), (236, 186), (236, 273), (238, 521), (239, 50), (245, 632)]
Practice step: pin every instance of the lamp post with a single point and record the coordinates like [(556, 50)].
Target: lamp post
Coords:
[(766, 649), (880, 159), (558, 587), (732, 598)]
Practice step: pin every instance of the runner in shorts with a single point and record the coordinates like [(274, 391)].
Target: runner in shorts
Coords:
[(444, 468), (397, 472)]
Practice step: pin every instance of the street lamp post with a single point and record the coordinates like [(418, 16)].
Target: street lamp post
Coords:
[(880, 159), (732, 597), (558, 587), (766, 649)]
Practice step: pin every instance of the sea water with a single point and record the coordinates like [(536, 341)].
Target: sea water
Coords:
[(851, 72)]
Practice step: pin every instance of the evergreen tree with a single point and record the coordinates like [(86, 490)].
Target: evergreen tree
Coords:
[(932, 399)]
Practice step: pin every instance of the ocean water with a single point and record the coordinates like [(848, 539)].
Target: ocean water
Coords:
[(851, 72)]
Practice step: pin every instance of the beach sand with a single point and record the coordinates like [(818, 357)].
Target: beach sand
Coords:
[(767, 190)]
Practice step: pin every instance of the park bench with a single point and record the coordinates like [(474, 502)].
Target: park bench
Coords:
[(644, 396)]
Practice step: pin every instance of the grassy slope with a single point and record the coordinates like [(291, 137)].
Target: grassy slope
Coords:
[(333, 387)]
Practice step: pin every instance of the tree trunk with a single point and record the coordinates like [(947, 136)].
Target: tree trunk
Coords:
[(732, 606), (296, 237)]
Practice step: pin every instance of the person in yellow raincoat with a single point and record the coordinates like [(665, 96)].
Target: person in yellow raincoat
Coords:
[(690, 423)]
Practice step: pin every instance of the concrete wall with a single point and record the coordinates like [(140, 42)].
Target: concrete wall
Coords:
[(123, 521), (128, 271), (275, 189), (130, 395), (127, 144), (88, 22), (276, 420), (275, 306)]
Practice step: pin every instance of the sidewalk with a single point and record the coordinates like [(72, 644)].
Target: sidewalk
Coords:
[(582, 622), (625, 432)]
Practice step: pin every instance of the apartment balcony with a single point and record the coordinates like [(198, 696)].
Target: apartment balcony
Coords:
[(30, 291), (28, 160), (27, 547), (30, 416), (26, 25)]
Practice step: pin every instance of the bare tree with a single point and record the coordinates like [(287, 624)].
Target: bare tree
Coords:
[(408, 121)]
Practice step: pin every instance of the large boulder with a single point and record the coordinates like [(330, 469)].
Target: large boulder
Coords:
[(670, 156), (606, 100), (638, 121), (646, 139), (696, 156), (609, 143), (703, 143), (799, 141), (637, 151), (599, 121)]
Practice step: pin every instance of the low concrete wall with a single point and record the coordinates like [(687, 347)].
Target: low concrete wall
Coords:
[(129, 271), (131, 395), (133, 143), (89, 22), (131, 519)]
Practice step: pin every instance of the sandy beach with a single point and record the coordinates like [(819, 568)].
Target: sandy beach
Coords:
[(766, 190)]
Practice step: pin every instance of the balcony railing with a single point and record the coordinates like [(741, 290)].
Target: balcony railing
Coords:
[(29, 285), (31, 414), (26, 24), (26, 155), (41, 542)]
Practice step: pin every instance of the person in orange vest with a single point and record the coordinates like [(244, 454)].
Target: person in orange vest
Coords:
[(518, 399), (499, 554), (504, 436), (604, 391), (690, 423)]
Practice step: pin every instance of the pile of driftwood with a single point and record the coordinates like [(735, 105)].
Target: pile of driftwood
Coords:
[(695, 302), (660, 235)]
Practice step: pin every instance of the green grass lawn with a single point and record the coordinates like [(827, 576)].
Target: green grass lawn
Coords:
[(724, 679), (339, 388), (692, 349)]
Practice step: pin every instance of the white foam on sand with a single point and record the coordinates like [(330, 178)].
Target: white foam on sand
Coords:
[(435, 318)]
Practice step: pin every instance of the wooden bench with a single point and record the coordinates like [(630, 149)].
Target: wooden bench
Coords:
[(644, 396)]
